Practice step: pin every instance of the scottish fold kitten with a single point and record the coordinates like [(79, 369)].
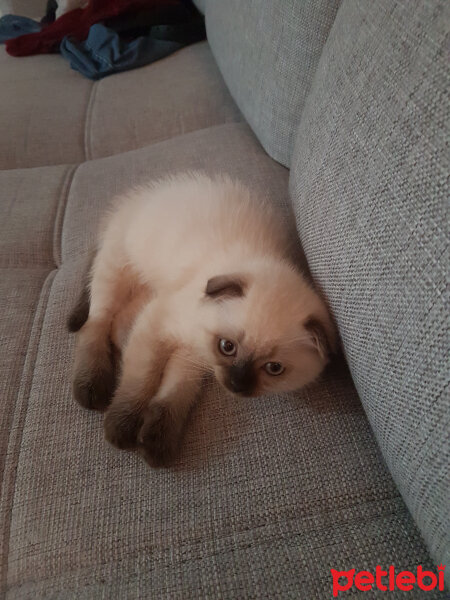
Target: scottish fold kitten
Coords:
[(192, 276)]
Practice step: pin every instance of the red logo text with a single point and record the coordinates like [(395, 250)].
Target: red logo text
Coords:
[(387, 580)]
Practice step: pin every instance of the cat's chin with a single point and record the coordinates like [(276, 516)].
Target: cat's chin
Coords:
[(222, 377), (234, 394)]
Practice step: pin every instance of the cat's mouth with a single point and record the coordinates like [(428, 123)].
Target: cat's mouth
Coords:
[(239, 394), (240, 381)]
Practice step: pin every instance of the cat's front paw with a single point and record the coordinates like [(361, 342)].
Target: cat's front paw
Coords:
[(93, 386), (122, 424), (159, 436), (94, 374)]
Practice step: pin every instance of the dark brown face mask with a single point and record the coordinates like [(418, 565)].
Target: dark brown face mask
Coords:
[(241, 378)]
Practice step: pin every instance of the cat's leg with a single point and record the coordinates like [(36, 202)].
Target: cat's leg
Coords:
[(158, 386), (94, 375), (166, 415), (80, 312), (144, 359)]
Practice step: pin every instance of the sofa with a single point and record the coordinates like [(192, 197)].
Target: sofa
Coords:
[(337, 112)]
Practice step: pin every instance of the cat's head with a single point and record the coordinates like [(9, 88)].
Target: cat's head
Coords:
[(266, 331)]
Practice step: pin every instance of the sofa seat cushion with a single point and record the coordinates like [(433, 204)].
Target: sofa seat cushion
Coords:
[(23, 293), (32, 210), (52, 115), (267, 495)]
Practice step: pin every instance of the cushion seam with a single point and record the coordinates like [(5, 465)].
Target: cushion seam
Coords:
[(18, 421), (241, 123), (88, 122), (60, 215), (226, 122)]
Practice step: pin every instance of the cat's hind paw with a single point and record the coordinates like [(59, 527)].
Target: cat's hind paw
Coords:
[(93, 387), (122, 424), (159, 436)]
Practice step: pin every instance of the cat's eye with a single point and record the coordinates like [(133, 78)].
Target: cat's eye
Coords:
[(227, 347), (274, 368)]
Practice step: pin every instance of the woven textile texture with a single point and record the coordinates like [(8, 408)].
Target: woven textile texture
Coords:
[(81, 120), (34, 9), (267, 495), (268, 53), (200, 4), (370, 183)]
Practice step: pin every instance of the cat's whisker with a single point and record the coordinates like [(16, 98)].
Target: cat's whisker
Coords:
[(190, 365), (192, 362), (198, 373), (194, 371)]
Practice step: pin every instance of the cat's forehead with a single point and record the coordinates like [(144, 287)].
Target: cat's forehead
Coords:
[(271, 326), (258, 325)]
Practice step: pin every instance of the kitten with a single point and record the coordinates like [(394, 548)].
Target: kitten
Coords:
[(192, 276)]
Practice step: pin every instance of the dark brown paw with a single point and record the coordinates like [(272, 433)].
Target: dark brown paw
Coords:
[(93, 387), (159, 437), (122, 425)]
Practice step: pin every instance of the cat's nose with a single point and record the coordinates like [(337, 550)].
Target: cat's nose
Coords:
[(241, 378), (237, 385)]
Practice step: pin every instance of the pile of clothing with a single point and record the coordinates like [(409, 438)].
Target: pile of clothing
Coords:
[(101, 37)]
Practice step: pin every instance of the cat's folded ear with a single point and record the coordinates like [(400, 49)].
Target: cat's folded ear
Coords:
[(226, 286), (322, 333)]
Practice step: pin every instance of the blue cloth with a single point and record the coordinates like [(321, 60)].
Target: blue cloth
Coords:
[(12, 26), (104, 52)]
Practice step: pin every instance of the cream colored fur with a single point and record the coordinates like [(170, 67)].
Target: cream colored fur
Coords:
[(158, 249)]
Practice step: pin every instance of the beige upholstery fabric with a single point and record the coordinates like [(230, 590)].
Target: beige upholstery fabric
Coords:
[(178, 94), (268, 53), (43, 106), (266, 496), (20, 293), (35, 9), (53, 115), (370, 182), (31, 215)]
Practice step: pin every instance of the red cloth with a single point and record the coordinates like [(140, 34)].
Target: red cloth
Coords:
[(77, 23)]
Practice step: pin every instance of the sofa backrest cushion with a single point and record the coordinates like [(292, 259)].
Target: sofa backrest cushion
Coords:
[(370, 184), (200, 4), (268, 53)]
